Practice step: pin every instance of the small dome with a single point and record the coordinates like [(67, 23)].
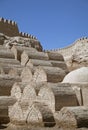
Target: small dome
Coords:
[(77, 76)]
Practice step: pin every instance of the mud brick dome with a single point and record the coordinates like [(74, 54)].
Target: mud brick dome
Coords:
[(77, 76)]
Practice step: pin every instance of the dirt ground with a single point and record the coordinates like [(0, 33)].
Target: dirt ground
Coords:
[(13, 127)]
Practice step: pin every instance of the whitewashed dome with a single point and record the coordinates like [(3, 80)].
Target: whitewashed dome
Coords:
[(77, 76)]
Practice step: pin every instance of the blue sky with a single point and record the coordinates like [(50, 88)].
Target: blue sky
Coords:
[(56, 23)]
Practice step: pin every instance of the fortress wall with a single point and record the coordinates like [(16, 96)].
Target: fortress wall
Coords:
[(64, 51), (8, 27), (67, 51), (26, 35)]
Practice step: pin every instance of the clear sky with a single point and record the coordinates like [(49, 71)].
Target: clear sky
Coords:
[(56, 23)]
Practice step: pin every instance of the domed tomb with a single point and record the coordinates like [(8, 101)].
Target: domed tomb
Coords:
[(77, 76)]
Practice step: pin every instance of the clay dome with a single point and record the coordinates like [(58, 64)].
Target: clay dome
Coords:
[(77, 76)]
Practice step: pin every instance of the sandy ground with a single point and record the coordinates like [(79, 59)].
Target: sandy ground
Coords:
[(12, 127)]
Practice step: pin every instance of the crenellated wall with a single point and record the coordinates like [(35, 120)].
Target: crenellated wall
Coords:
[(26, 35), (10, 28), (67, 51)]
